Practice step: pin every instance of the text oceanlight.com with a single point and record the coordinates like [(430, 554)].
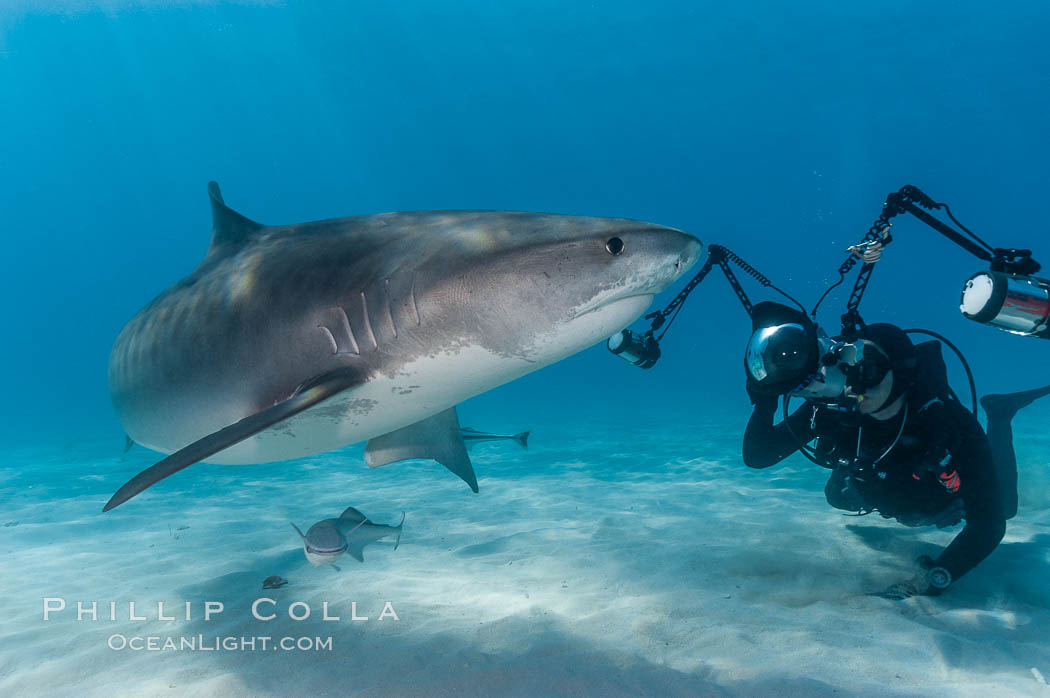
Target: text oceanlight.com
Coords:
[(200, 643)]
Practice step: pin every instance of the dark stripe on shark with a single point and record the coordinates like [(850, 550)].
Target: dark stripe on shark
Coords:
[(310, 394)]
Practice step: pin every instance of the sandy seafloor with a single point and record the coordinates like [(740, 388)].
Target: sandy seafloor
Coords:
[(606, 561)]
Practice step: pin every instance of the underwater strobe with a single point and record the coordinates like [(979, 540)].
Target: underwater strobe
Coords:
[(640, 350), (1007, 296), (1017, 303)]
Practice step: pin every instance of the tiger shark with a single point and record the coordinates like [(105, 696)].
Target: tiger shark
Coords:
[(293, 340)]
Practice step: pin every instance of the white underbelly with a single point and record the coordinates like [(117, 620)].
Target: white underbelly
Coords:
[(422, 388)]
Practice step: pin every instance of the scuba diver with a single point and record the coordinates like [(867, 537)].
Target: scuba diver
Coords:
[(887, 424), (879, 408)]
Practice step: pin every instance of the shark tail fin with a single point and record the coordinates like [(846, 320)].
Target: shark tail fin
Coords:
[(522, 439), (400, 524)]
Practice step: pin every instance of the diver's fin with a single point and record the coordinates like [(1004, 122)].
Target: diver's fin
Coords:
[(1006, 406), (436, 437), (522, 439), (308, 395), (227, 226), (128, 443), (352, 514)]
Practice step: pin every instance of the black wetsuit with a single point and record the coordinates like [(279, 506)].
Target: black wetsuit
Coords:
[(913, 480)]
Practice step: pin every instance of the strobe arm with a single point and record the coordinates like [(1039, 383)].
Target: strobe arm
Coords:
[(643, 350), (1006, 296)]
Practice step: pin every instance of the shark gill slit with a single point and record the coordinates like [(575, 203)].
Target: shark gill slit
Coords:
[(331, 338), (368, 322), (415, 306), (386, 305), (348, 331)]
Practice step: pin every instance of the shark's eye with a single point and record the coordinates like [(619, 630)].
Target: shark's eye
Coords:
[(614, 246)]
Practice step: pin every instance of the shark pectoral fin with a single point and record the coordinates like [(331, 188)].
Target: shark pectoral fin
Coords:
[(128, 443), (437, 438), (356, 551), (311, 393)]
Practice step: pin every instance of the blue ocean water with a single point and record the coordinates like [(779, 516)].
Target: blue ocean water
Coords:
[(773, 128)]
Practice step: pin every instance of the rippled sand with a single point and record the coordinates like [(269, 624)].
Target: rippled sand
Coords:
[(597, 563)]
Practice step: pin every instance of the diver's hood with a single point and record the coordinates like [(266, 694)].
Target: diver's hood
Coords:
[(783, 353)]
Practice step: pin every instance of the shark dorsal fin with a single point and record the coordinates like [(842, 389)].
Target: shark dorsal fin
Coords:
[(352, 514), (228, 228)]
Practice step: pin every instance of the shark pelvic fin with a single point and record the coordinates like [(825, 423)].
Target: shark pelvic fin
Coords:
[(309, 394), (436, 437), (228, 228)]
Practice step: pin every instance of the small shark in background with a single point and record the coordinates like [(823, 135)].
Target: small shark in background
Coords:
[(472, 437), (350, 533)]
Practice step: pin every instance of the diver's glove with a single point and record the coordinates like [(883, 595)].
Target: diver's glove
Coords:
[(932, 580), (761, 400)]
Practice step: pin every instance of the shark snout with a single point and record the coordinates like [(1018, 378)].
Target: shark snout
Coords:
[(672, 254), (692, 248)]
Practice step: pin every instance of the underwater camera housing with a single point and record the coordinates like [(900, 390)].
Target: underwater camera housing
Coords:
[(639, 350), (1017, 303), (846, 372)]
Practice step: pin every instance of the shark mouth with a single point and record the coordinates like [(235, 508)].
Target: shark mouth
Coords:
[(331, 551), (604, 303)]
